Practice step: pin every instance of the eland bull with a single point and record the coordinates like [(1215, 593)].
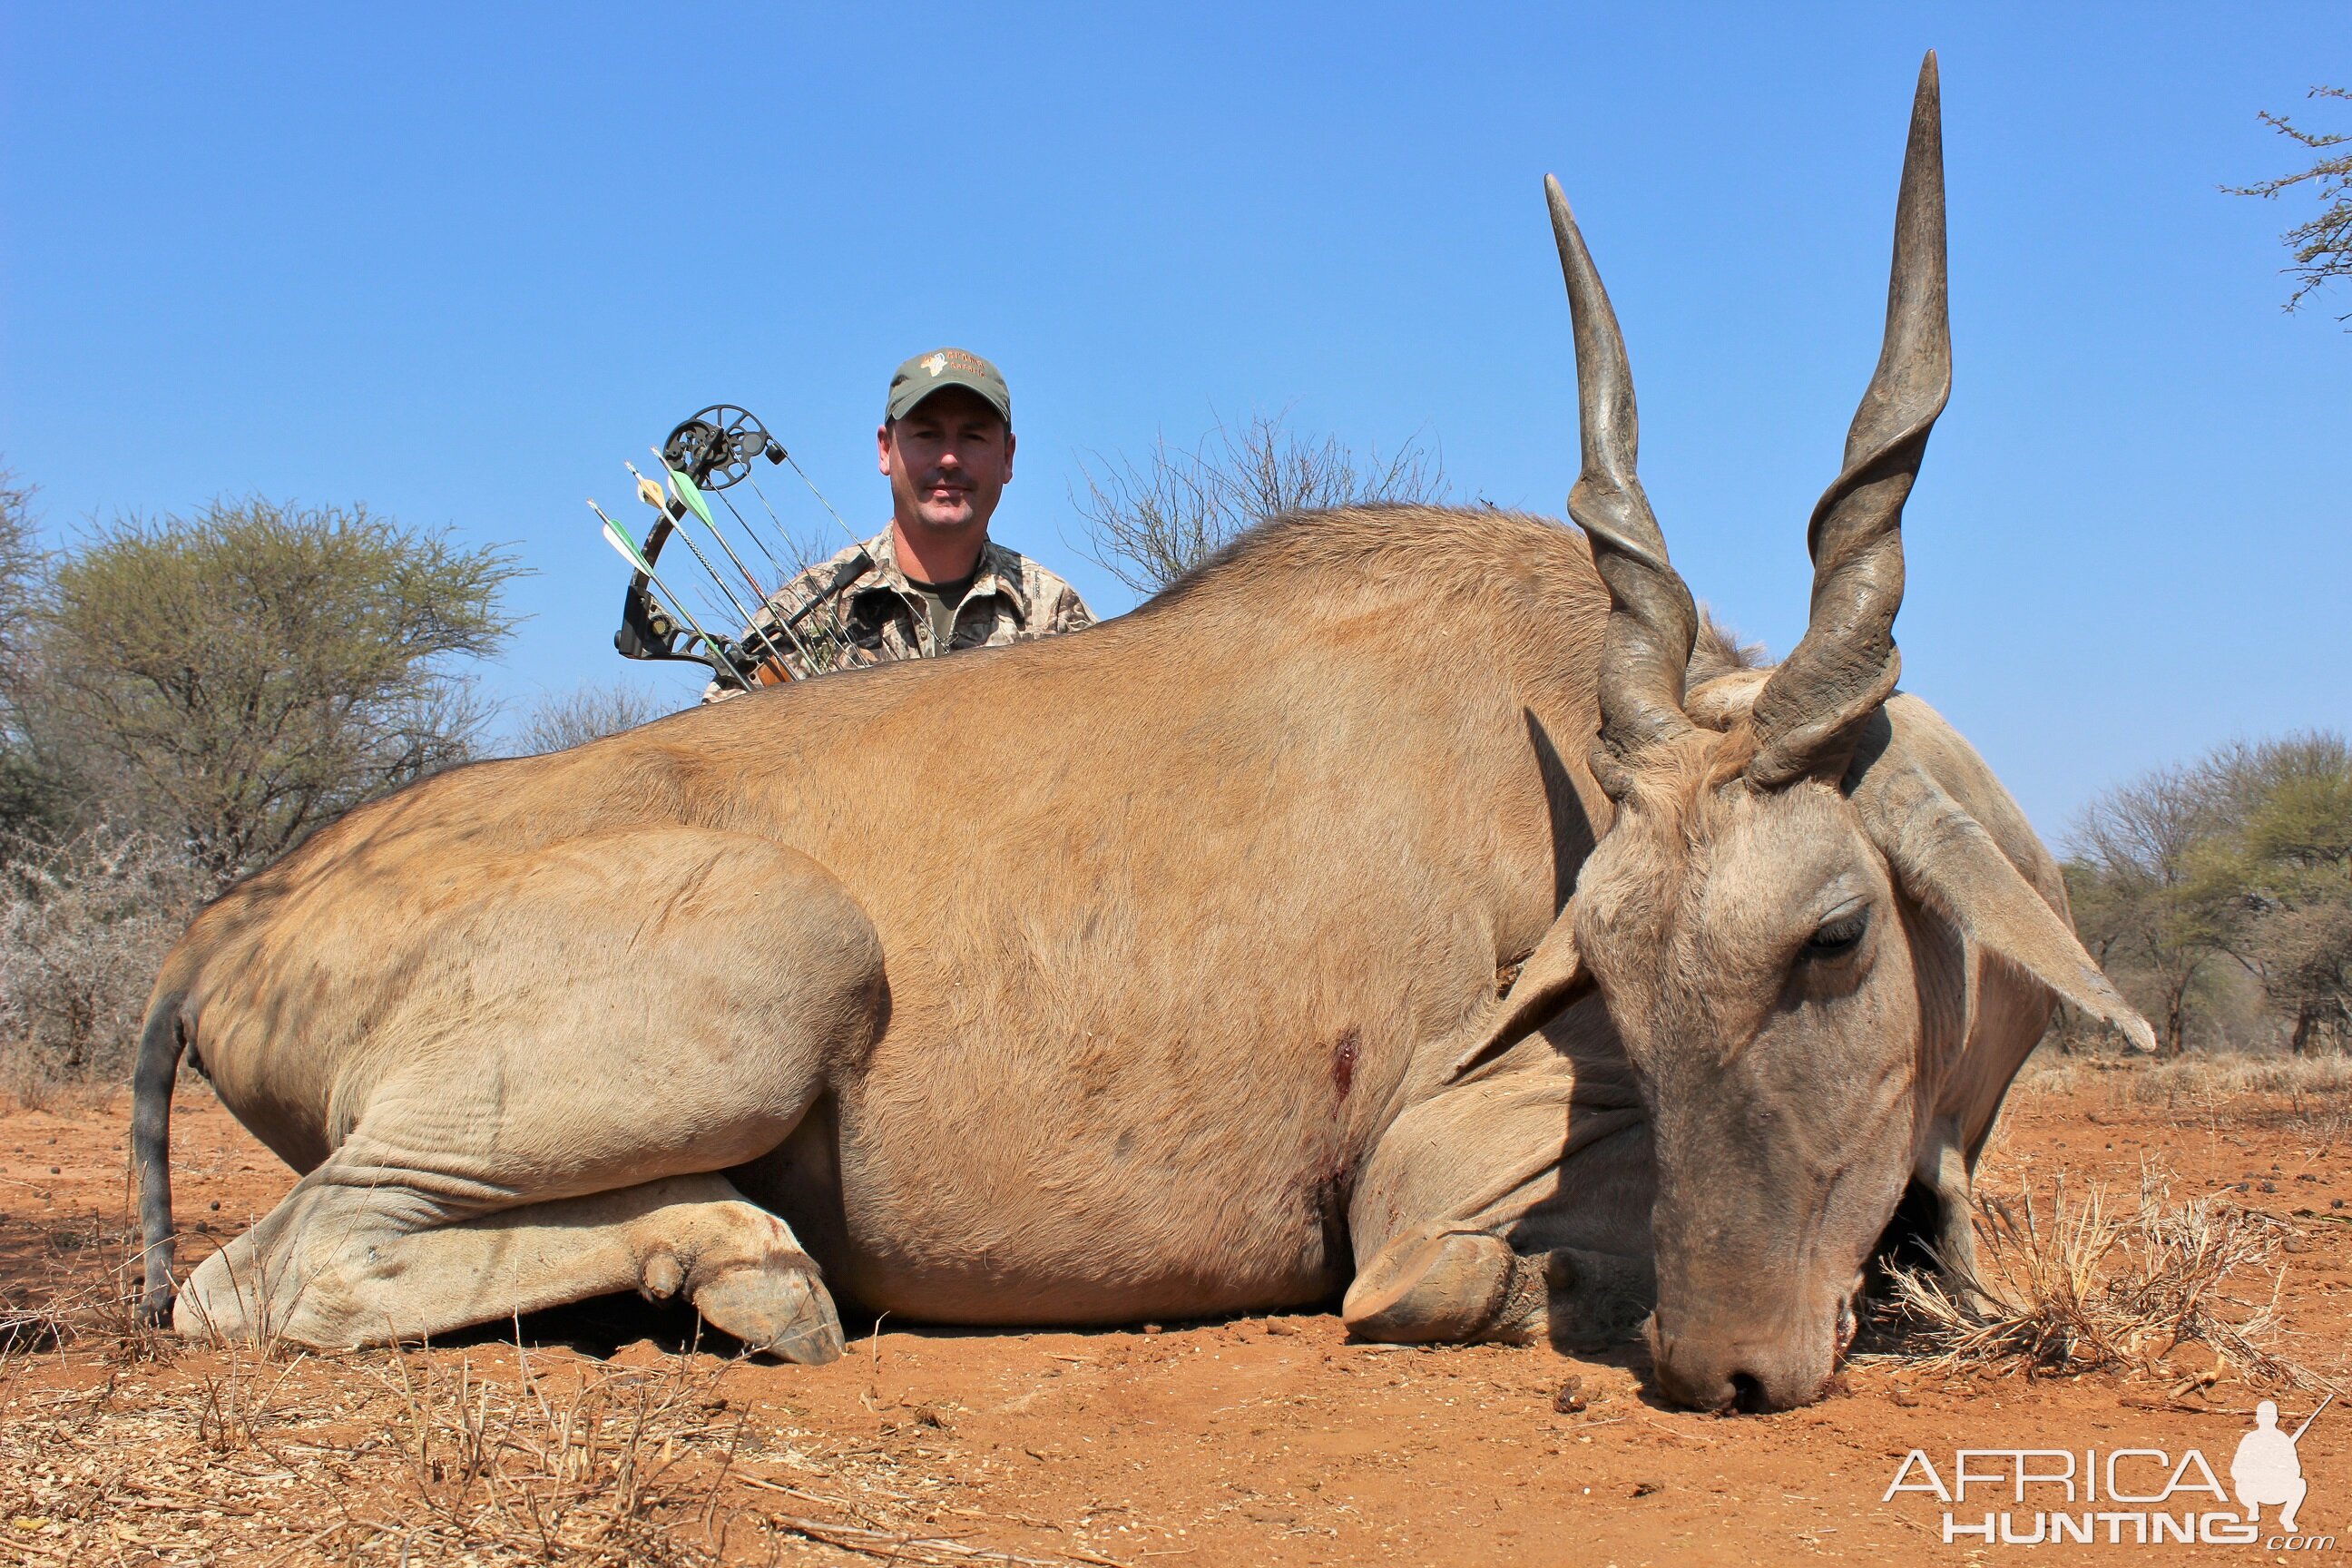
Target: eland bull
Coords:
[(1413, 902)]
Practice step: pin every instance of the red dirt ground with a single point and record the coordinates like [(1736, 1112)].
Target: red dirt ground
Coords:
[(1276, 1440)]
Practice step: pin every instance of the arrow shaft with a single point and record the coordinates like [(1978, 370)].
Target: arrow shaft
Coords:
[(751, 628), (833, 625), (674, 513), (688, 499)]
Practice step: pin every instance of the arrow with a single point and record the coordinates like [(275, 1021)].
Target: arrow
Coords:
[(687, 493), (619, 540), (650, 493), (618, 537), (647, 492), (685, 490)]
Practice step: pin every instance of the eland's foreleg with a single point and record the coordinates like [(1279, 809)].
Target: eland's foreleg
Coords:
[(1512, 1207)]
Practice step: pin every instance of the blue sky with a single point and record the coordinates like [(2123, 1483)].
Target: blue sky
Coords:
[(458, 262)]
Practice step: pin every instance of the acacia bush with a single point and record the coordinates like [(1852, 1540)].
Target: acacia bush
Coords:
[(255, 669), (183, 699)]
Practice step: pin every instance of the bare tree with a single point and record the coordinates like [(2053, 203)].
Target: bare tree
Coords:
[(1149, 523), (2135, 894), (2321, 245), (83, 924), (2245, 854), (560, 721)]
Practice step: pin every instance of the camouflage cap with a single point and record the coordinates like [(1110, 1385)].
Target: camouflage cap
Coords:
[(941, 368)]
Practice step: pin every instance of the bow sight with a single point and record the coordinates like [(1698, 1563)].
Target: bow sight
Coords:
[(705, 455)]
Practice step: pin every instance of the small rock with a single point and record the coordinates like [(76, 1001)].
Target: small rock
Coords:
[(215, 1206), (2336, 1203), (1570, 1397), (56, 1171), (1280, 1326), (1153, 1329), (2270, 1186), (1648, 1489)]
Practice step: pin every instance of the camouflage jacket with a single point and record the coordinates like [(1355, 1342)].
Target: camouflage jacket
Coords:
[(859, 608)]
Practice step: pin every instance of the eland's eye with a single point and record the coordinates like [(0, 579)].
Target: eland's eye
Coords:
[(1839, 936)]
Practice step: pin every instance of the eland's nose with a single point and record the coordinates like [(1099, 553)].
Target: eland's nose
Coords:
[(1749, 1379)]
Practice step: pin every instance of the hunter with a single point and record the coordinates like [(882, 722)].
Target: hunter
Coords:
[(933, 582)]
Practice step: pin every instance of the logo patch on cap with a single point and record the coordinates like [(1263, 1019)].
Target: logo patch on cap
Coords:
[(917, 378)]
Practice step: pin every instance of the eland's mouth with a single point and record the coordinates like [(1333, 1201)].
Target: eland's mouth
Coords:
[(1907, 1244)]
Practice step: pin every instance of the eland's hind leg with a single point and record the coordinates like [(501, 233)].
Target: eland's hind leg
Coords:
[(557, 1087), (348, 1270)]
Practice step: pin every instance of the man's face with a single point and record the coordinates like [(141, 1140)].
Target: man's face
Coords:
[(948, 460)]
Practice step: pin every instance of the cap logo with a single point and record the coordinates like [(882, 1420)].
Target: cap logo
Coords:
[(936, 365)]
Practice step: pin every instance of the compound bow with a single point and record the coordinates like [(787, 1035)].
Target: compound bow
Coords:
[(704, 456)]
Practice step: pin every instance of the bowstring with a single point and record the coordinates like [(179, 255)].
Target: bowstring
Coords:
[(785, 578)]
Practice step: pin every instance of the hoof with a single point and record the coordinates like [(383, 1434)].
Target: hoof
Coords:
[(1427, 1287), (155, 1307), (782, 1311)]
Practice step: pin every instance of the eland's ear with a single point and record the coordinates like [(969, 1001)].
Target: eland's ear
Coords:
[(1944, 857), (1551, 978)]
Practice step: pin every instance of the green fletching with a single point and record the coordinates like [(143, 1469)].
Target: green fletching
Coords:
[(629, 552), (692, 495)]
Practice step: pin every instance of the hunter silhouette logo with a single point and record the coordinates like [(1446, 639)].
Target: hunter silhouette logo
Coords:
[(2267, 1470)]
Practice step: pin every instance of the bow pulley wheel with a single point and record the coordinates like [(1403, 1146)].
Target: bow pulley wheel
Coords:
[(714, 447)]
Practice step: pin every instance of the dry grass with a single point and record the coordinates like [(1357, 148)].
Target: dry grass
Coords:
[(493, 1455), (2308, 1098), (2077, 1283)]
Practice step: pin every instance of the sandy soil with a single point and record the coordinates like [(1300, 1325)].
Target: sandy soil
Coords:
[(1259, 1440)]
